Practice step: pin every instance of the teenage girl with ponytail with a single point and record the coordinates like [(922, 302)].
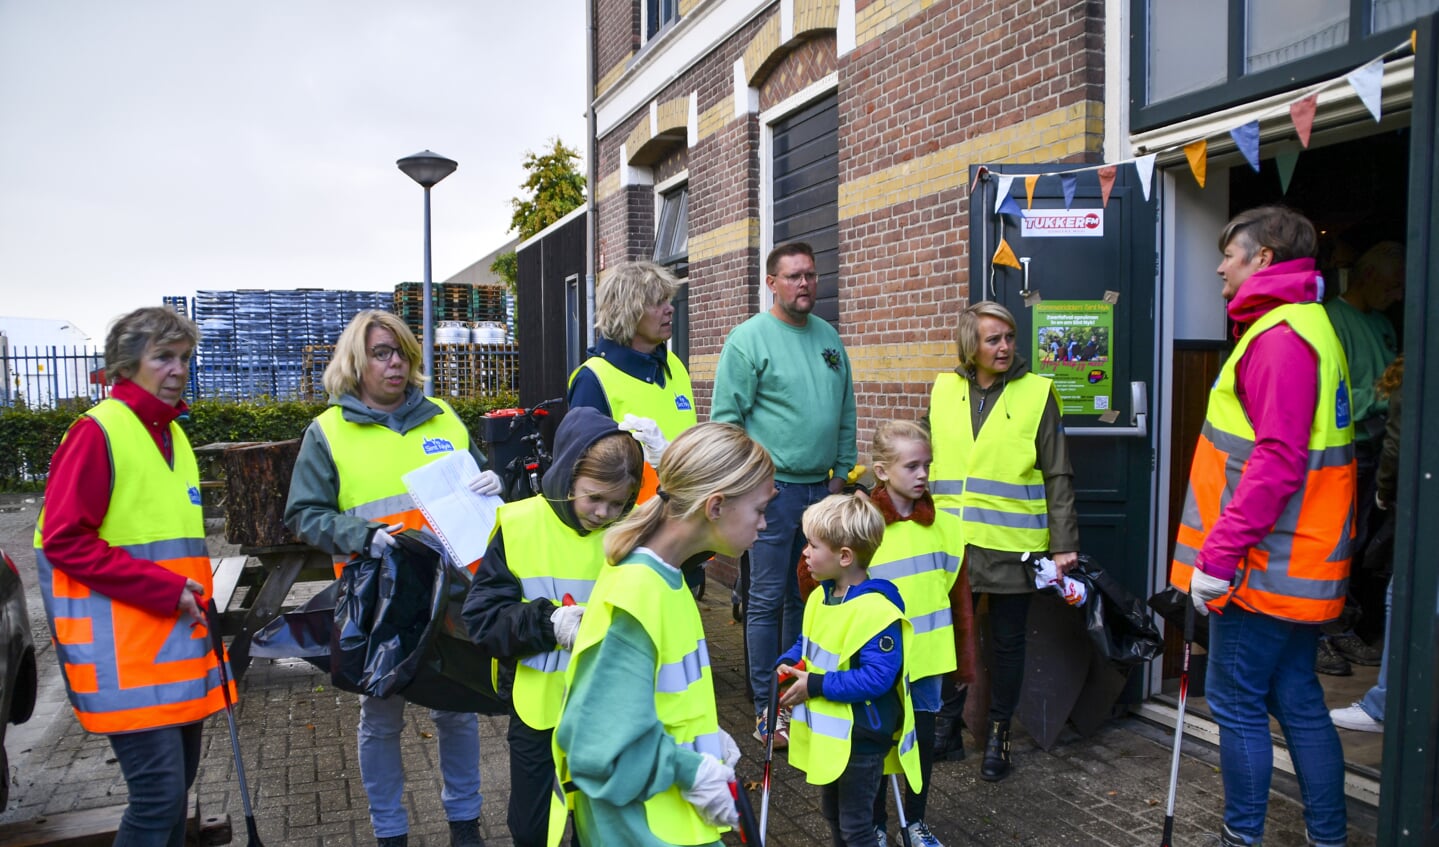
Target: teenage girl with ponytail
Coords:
[(638, 736)]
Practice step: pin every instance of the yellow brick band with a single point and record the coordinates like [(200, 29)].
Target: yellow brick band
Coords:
[(886, 363), (638, 138), (881, 16), (673, 115), (1056, 135), (687, 6), (761, 49), (609, 186), (812, 15), (714, 119), (740, 235)]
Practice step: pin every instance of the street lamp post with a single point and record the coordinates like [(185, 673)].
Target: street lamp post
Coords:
[(427, 168)]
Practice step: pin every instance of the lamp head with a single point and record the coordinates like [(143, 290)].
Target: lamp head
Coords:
[(427, 167)]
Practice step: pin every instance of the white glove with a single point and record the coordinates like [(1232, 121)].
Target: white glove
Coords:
[(731, 749), (486, 484), (1203, 588), (648, 434), (384, 539), (566, 621), (710, 794)]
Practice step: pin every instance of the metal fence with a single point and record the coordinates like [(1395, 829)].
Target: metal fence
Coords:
[(43, 377)]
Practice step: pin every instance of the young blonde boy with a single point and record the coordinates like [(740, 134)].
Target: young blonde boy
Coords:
[(852, 720)]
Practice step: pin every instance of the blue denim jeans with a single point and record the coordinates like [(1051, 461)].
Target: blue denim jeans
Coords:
[(773, 610), (1258, 666), (1373, 700), (846, 803), (382, 720), (159, 767)]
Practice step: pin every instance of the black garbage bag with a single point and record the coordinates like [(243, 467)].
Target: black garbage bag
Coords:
[(1119, 626), (1170, 604), (393, 628)]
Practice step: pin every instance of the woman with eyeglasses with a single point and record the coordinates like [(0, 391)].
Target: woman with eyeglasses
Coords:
[(348, 499)]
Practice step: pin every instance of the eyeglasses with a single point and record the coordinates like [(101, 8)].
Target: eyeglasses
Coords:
[(384, 352), (810, 277)]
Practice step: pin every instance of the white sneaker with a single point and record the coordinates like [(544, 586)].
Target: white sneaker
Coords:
[(920, 836), (1355, 718)]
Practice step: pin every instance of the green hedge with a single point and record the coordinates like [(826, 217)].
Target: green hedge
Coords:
[(28, 437)]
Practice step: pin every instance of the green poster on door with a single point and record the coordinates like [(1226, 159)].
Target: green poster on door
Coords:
[(1072, 343)]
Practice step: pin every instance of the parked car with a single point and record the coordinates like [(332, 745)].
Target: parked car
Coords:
[(17, 664)]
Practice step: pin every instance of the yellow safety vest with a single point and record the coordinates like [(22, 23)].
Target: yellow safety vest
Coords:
[(370, 460), (990, 479), (127, 669), (671, 405), (820, 729), (550, 560), (1300, 571), (923, 563), (684, 686)]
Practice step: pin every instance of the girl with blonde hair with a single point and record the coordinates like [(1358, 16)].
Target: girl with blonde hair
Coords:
[(638, 735)]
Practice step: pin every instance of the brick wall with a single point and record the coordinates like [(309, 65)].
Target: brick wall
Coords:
[(931, 87)]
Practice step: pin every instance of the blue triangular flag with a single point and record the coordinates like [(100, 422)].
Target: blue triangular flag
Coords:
[(1004, 183), (1068, 182), (1246, 137), (1010, 207), (1368, 83)]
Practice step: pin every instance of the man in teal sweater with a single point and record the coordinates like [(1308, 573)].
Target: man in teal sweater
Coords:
[(784, 377)]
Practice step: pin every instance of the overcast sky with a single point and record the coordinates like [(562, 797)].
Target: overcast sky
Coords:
[(156, 147)]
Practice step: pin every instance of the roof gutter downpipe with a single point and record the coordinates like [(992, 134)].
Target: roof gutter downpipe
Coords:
[(593, 179)]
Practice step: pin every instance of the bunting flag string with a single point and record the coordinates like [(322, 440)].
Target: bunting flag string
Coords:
[(1365, 80)]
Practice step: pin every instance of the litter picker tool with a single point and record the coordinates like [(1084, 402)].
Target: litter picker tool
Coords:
[(212, 616), (1179, 726), (899, 807), (748, 827), (771, 723)]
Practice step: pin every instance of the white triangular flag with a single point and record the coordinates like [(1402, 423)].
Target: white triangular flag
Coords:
[(1004, 183), (1368, 83), (1144, 165)]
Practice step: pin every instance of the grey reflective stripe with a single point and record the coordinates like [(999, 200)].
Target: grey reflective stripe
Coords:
[(675, 677), (554, 661), (1185, 554), (822, 724), (554, 588), (1331, 457), (708, 743), (915, 565), (952, 510), (1011, 490), (177, 548), (946, 486), (1191, 517), (906, 742), (1278, 581), (819, 657), (1012, 520), (932, 621), (376, 509), (1226, 442)]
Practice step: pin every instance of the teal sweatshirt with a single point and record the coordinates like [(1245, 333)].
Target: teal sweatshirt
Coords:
[(792, 391), (619, 753)]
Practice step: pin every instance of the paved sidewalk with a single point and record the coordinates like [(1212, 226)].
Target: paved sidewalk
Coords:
[(298, 737)]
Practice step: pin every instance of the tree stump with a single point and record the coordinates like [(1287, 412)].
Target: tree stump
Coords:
[(257, 484)]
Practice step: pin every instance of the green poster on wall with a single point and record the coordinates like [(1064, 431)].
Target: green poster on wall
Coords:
[(1072, 344)]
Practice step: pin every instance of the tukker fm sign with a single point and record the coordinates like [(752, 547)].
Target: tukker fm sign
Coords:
[(1059, 223)]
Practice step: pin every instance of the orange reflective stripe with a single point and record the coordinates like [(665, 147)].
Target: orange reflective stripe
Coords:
[(74, 631), (81, 678), (649, 485)]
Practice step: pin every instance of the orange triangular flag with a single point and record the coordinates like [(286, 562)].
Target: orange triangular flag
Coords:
[(1302, 113), (1106, 183), (1005, 256), (1414, 41), (1197, 153), (1029, 183)]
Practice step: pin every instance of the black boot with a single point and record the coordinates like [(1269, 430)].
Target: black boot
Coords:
[(393, 841), (466, 834), (948, 744), (996, 753)]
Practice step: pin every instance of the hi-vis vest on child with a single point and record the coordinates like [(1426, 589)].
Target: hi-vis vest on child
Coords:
[(923, 563), (550, 560), (820, 729)]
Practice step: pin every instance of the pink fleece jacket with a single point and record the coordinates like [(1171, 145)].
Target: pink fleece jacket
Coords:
[(1278, 385)]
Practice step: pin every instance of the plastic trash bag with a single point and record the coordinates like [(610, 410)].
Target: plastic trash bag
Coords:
[(1119, 625), (1170, 604), (394, 628)]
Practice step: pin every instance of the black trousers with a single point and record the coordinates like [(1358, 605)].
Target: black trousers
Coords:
[(532, 782)]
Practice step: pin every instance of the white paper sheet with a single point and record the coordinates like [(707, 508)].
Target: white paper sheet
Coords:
[(461, 518)]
